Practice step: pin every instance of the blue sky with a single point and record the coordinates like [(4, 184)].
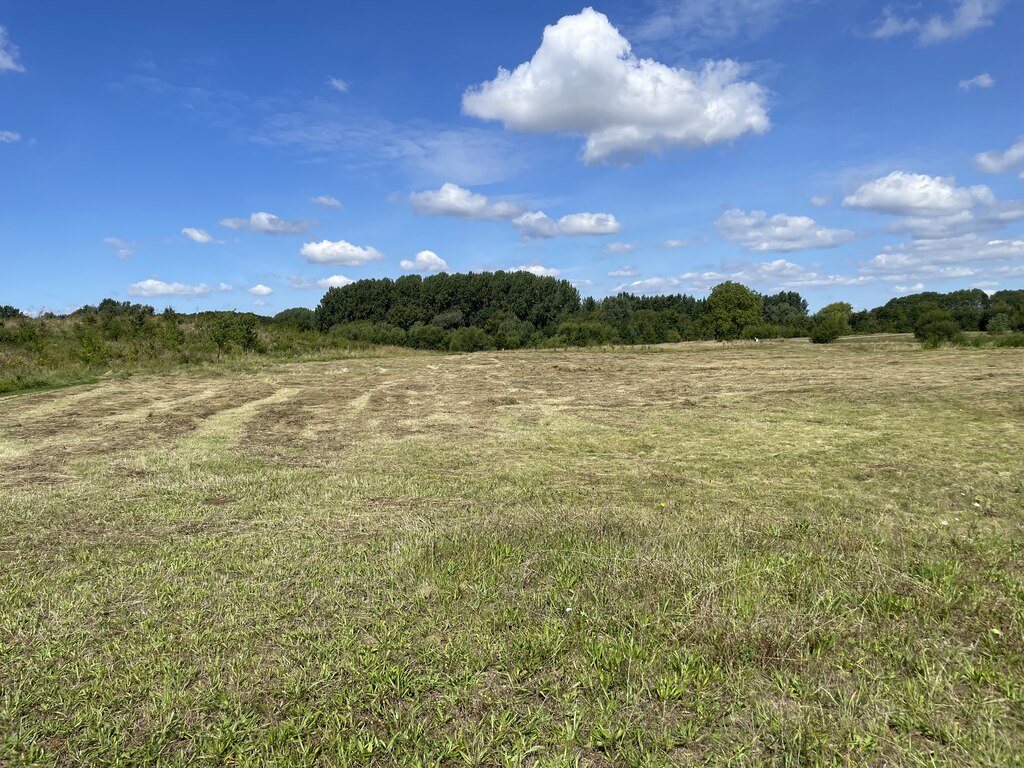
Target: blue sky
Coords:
[(247, 154)]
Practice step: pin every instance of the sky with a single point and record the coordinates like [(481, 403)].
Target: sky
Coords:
[(248, 155)]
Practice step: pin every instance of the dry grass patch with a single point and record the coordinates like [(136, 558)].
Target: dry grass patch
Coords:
[(734, 554)]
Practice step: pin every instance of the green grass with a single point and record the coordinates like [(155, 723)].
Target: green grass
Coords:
[(745, 554)]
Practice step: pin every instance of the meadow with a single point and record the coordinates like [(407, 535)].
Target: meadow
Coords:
[(702, 553)]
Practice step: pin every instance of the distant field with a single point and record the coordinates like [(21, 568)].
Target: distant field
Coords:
[(742, 554)]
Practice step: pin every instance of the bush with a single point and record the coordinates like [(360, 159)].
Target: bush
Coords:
[(999, 324), (936, 326), (827, 328), (469, 339), (428, 337), (298, 318)]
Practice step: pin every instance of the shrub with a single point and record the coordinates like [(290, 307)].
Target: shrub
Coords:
[(827, 328), (999, 324), (936, 326), (298, 318), (469, 339), (428, 337)]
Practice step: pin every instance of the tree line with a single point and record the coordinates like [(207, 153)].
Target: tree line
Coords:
[(509, 310), (470, 312)]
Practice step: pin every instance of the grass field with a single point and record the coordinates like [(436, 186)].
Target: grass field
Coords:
[(745, 554)]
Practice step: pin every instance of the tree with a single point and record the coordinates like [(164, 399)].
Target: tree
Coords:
[(8, 312), (729, 309)]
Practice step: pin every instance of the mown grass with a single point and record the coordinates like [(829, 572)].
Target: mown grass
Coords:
[(744, 554)]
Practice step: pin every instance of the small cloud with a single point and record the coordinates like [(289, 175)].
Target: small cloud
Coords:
[(536, 224), (620, 248), (339, 252), (758, 232), (651, 286), (1001, 162), (269, 224), (425, 261), (9, 137), (337, 84), (260, 303), (261, 290), (820, 201), (151, 288), (629, 271), (299, 283), (581, 283), (9, 54), (326, 201), (122, 249), (916, 194), (670, 244), (588, 224), (538, 270), (334, 281), (983, 80), (968, 15), (916, 288), (199, 235), (453, 200)]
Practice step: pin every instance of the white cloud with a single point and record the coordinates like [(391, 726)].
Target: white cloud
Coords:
[(651, 286), (269, 224), (9, 137), (820, 201), (335, 281), (8, 54), (1001, 162), (122, 249), (916, 288), (536, 224), (935, 208), (776, 275), (150, 288), (671, 244), (538, 270), (984, 80), (337, 84), (967, 16), (581, 283), (916, 194), (758, 232), (261, 290), (620, 248), (260, 303), (576, 224), (326, 201), (453, 200), (942, 257), (629, 271), (425, 261), (584, 79), (339, 252), (781, 273), (198, 235)]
